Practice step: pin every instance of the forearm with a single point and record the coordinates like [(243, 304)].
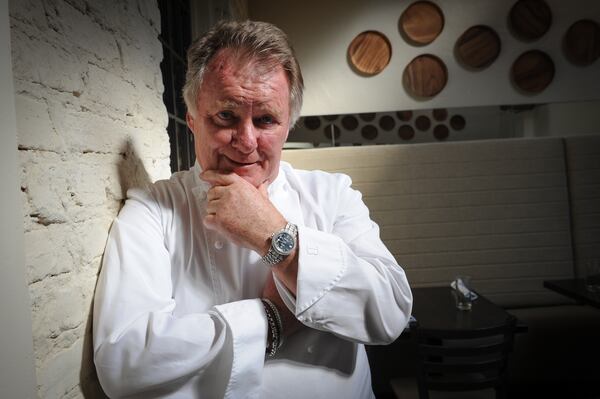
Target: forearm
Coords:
[(287, 271), (156, 350), (356, 291)]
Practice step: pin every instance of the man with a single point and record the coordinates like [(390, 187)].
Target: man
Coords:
[(244, 277)]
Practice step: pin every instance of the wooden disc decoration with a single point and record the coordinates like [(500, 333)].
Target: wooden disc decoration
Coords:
[(421, 23), (582, 42), (533, 71), (425, 76), (530, 19), (370, 52), (478, 47)]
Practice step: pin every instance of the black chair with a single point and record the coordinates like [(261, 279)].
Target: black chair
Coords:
[(463, 360)]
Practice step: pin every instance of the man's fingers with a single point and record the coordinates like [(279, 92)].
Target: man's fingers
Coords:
[(212, 207), (215, 192), (218, 178)]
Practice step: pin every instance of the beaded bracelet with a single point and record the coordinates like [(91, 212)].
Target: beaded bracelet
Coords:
[(275, 325)]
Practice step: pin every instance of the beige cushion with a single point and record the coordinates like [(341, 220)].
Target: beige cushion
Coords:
[(496, 210), (583, 165)]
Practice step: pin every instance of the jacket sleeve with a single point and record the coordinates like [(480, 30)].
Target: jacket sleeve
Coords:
[(140, 347), (348, 282)]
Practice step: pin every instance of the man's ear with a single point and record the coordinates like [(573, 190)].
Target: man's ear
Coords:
[(190, 121)]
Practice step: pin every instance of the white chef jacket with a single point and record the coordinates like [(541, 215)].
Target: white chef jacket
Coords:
[(177, 312)]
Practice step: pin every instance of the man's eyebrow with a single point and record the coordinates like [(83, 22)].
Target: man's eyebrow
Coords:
[(229, 103), (262, 105), (268, 106)]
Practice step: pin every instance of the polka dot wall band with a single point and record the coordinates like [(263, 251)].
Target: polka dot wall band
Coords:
[(383, 126)]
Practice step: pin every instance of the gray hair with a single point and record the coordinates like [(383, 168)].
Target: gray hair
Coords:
[(260, 41)]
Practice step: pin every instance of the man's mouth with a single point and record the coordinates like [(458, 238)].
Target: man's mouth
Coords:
[(236, 164)]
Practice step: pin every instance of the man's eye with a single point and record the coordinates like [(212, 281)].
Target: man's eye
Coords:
[(225, 115), (264, 120)]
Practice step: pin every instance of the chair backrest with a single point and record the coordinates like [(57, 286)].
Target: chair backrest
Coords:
[(463, 360)]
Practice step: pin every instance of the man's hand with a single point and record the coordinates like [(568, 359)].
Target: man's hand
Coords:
[(240, 211)]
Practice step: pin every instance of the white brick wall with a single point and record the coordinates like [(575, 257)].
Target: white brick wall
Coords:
[(91, 123)]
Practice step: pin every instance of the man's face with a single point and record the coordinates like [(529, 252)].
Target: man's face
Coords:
[(242, 118)]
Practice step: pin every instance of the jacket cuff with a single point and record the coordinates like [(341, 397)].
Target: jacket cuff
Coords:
[(321, 265), (246, 336)]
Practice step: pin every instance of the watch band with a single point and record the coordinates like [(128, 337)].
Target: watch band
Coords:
[(273, 257)]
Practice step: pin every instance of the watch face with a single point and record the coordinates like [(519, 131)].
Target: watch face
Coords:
[(284, 243)]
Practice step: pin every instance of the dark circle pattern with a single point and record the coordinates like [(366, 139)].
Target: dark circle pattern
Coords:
[(440, 114), (458, 122), (367, 117), (330, 118), (349, 122), (312, 122), (387, 123), (437, 120), (423, 123), (404, 116), (406, 132), (441, 132), (369, 132)]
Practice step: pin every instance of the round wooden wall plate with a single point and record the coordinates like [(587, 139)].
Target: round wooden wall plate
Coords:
[(533, 71), (530, 19), (582, 42), (425, 76), (478, 47), (421, 23), (370, 52)]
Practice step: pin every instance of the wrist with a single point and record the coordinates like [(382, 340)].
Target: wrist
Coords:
[(275, 327), (282, 245), (264, 237)]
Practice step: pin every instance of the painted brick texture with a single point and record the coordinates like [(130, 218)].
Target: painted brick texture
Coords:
[(91, 123)]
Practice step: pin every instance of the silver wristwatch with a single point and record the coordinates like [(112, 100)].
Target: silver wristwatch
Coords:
[(283, 243)]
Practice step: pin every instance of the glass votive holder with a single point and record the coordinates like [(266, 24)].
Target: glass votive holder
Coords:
[(463, 293)]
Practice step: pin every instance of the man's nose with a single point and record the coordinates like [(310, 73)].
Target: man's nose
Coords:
[(245, 137)]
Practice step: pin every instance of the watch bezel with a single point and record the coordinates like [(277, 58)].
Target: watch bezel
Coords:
[(275, 242)]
